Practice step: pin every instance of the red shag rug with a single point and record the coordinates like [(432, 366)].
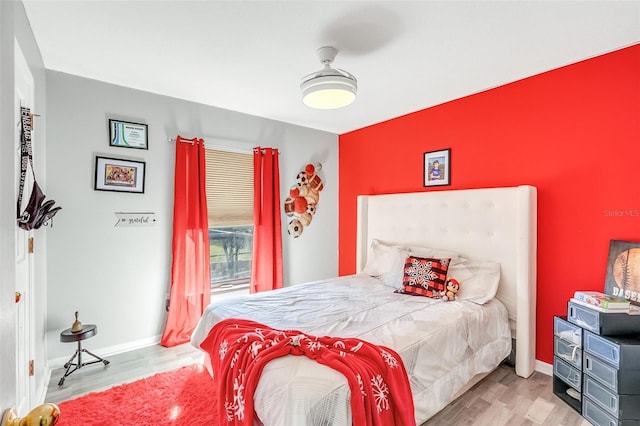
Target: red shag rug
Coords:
[(180, 397)]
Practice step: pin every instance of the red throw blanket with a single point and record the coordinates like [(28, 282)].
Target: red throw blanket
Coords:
[(240, 349)]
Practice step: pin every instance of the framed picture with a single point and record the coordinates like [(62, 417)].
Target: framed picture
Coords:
[(437, 167), (113, 174), (128, 135), (623, 270)]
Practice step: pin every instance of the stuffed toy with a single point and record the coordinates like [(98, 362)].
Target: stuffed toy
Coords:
[(43, 415), (451, 292)]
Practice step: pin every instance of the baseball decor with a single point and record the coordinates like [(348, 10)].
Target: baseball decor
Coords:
[(302, 202), (623, 270)]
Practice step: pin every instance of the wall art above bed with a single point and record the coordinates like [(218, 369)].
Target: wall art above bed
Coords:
[(437, 168)]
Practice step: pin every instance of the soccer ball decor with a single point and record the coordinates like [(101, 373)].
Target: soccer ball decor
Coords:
[(302, 203)]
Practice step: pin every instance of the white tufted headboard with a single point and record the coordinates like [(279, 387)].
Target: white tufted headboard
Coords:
[(497, 224)]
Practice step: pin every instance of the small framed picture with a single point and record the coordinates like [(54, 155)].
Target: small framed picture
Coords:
[(128, 135), (437, 167), (113, 174)]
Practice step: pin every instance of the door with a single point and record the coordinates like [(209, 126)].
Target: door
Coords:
[(25, 382)]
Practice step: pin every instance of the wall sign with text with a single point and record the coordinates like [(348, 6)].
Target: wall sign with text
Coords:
[(135, 219)]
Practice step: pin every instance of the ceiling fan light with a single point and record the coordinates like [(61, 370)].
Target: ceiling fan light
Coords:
[(329, 92), (328, 88), (329, 99)]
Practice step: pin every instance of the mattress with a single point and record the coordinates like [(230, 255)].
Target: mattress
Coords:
[(442, 344)]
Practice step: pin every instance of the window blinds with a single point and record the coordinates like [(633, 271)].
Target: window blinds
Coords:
[(229, 188)]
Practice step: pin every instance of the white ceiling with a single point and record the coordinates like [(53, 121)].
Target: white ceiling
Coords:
[(249, 56)]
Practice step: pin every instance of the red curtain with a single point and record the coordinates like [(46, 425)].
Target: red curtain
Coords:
[(190, 281), (266, 265)]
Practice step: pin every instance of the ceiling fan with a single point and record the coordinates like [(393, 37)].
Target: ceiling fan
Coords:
[(328, 88)]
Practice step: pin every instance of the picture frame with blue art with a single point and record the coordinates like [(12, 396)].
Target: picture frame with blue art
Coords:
[(437, 167)]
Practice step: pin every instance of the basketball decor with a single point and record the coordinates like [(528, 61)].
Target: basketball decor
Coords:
[(302, 202)]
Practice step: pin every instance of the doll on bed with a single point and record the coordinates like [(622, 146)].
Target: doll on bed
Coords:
[(451, 292)]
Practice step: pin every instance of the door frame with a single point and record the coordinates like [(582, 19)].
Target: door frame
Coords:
[(24, 89)]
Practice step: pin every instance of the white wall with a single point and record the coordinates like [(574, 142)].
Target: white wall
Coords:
[(14, 27), (118, 278)]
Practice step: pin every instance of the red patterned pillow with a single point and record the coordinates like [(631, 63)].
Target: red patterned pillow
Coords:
[(424, 276)]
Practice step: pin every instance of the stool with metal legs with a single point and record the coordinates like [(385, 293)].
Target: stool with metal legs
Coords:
[(88, 330)]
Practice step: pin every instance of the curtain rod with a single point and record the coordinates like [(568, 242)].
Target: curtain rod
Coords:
[(212, 138), (183, 140), (226, 144)]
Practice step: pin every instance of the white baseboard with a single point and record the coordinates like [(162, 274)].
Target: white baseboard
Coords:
[(544, 368), (41, 391), (110, 350)]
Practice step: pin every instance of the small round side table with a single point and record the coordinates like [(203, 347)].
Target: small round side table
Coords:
[(88, 330)]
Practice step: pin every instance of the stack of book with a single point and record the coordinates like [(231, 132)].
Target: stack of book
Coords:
[(604, 302)]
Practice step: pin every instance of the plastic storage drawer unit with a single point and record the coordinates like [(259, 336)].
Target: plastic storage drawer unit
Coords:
[(567, 373), (617, 351), (604, 323), (598, 416), (626, 407), (567, 331), (620, 381), (568, 352)]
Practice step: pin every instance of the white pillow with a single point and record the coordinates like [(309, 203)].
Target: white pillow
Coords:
[(479, 279), (434, 253), (386, 260), (380, 257), (394, 275)]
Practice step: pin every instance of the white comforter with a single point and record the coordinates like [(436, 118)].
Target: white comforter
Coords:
[(443, 344)]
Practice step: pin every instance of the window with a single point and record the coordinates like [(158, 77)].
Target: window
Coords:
[(230, 204), (231, 249)]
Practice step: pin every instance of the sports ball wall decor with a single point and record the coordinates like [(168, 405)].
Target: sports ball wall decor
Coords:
[(623, 270), (302, 202)]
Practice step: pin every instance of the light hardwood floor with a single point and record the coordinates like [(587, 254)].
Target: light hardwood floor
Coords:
[(123, 368), (502, 398)]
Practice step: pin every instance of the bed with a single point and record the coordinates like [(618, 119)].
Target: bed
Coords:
[(446, 346)]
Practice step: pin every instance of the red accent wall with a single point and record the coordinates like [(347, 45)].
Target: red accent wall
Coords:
[(573, 132)]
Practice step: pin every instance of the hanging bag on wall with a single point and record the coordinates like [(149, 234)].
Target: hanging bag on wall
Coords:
[(38, 212)]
